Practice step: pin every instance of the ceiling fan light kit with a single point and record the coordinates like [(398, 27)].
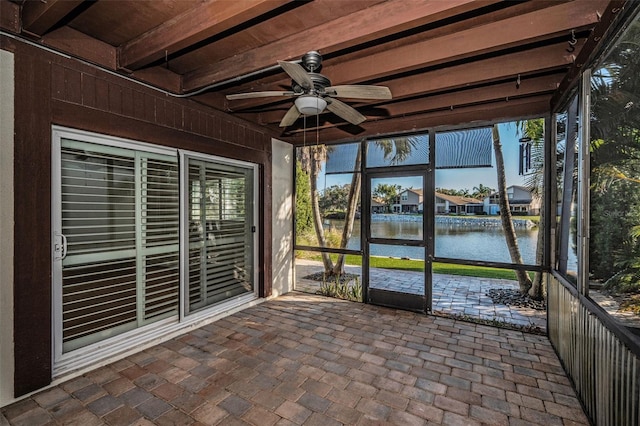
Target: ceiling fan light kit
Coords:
[(310, 105), (311, 88)]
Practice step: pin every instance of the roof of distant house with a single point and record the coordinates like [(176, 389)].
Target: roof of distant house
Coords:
[(455, 199), (522, 188), (415, 191)]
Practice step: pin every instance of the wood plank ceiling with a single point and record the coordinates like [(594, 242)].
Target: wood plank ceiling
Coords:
[(446, 62)]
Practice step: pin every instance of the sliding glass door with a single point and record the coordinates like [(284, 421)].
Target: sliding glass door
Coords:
[(144, 240), (220, 237), (117, 243)]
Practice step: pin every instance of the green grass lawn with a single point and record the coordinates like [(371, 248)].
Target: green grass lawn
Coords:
[(418, 265)]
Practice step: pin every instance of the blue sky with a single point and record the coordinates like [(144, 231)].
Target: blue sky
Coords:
[(461, 178)]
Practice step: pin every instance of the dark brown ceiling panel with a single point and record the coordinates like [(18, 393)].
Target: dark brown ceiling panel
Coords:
[(118, 21), (263, 32), (364, 26), (10, 16), (38, 17), (520, 30), (446, 62), (191, 27)]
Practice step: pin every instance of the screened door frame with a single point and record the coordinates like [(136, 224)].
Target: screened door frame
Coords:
[(412, 302), (416, 303), (136, 339)]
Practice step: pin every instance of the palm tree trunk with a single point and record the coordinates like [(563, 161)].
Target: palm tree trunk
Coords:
[(505, 214), (315, 208), (354, 195), (535, 292)]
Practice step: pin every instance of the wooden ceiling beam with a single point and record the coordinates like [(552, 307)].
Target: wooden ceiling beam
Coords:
[(534, 86), (38, 17), (78, 44), (593, 42), (536, 60), (10, 16), (543, 24), (373, 23), (193, 26)]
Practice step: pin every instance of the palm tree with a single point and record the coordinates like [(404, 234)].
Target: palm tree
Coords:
[(534, 182), (464, 193), (505, 214), (311, 159), (481, 191)]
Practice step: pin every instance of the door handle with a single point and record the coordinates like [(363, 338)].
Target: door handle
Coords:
[(59, 247)]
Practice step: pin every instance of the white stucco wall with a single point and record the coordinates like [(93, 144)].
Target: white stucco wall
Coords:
[(6, 225), (282, 217)]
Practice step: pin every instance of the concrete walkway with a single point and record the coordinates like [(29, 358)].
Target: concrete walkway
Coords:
[(303, 359), (452, 294)]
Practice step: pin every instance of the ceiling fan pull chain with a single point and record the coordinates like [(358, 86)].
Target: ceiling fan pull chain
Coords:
[(318, 129)]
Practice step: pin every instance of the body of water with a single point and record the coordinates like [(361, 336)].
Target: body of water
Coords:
[(485, 243)]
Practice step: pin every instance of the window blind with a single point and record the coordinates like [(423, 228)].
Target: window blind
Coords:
[(220, 240), (120, 215)]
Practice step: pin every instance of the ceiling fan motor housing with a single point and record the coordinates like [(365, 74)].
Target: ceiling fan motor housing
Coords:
[(312, 61), (320, 82)]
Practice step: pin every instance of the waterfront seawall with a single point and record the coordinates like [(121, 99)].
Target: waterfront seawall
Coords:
[(462, 221)]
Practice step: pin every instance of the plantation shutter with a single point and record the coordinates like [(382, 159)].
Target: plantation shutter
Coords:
[(220, 233), (160, 226), (120, 216)]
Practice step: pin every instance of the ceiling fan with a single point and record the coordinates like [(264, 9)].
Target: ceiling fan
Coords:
[(314, 92)]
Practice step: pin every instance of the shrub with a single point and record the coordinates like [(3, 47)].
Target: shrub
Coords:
[(342, 289)]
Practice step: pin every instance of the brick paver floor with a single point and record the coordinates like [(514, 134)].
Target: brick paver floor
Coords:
[(452, 294), (306, 359)]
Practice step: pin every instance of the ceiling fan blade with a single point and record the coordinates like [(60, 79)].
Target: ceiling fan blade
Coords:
[(358, 91), (345, 111), (297, 73), (251, 95), (290, 117)]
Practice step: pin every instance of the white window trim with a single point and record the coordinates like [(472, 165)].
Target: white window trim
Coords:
[(7, 216)]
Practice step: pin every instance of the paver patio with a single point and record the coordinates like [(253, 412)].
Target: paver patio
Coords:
[(306, 359), (452, 294)]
